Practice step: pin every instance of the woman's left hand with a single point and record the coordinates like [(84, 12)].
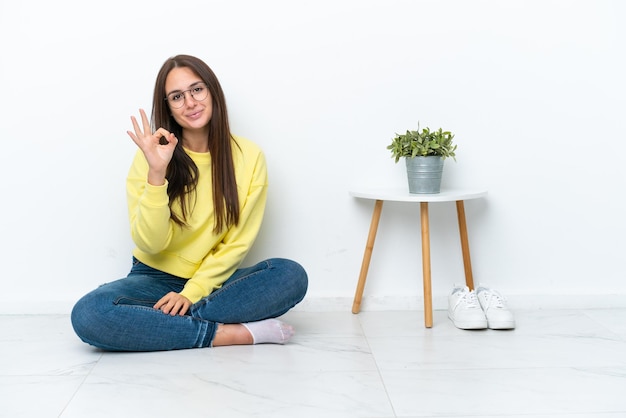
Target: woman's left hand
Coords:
[(173, 304)]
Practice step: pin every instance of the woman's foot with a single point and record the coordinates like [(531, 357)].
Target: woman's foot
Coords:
[(268, 331)]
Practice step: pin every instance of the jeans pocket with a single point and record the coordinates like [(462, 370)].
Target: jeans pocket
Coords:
[(124, 300)]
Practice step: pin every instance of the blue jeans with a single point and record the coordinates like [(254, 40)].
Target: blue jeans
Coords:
[(119, 316)]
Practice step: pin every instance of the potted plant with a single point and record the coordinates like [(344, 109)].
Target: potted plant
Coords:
[(424, 152)]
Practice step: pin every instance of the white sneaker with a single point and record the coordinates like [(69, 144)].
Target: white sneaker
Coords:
[(464, 309), (493, 303)]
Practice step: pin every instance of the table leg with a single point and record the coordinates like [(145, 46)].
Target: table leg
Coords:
[(428, 297), (467, 263), (369, 247)]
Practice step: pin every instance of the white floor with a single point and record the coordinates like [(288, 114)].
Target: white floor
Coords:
[(557, 363)]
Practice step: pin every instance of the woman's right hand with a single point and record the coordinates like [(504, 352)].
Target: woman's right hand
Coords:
[(157, 147)]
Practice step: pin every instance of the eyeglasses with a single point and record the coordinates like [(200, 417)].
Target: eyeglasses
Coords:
[(198, 92)]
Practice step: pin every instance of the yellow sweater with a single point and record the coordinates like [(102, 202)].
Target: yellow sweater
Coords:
[(194, 252)]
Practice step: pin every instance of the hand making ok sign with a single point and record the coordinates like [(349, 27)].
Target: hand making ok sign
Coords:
[(158, 147)]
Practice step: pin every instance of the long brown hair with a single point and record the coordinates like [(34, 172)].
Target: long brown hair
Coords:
[(182, 172)]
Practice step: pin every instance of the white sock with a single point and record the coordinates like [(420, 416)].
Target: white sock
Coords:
[(269, 331)]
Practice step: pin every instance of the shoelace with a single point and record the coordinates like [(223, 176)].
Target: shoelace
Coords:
[(494, 299), (470, 299)]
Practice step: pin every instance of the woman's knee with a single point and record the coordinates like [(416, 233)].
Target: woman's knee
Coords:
[(92, 314), (83, 316), (293, 273)]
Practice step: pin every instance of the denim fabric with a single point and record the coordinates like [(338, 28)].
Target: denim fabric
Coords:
[(118, 316)]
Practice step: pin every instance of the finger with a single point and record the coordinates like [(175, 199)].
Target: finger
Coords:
[(167, 308), (146, 122), (173, 140), (163, 135), (184, 309), (161, 303), (136, 126), (133, 137), (181, 308), (175, 309), (163, 132)]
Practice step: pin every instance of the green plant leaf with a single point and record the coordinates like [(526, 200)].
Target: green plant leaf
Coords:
[(422, 142)]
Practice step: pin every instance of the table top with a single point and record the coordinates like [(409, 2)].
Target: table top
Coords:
[(403, 195)]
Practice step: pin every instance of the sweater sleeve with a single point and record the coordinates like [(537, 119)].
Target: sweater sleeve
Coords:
[(222, 261), (148, 209)]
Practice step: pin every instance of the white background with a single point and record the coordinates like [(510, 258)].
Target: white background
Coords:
[(533, 90)]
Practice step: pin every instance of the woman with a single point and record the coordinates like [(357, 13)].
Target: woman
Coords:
[(196, 198)]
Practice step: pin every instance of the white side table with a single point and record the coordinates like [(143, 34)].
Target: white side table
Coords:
[(402, 195)]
